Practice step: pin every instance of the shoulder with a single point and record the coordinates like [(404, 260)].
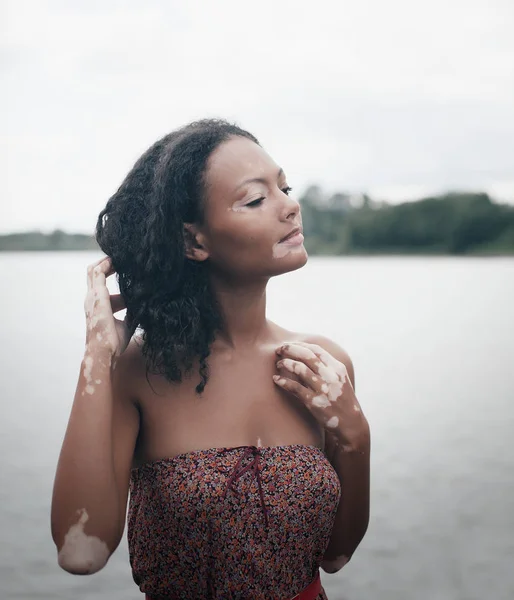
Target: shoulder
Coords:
[(129, 370), (332, 348)]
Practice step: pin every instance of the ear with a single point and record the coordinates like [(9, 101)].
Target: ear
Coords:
[(195, 246)]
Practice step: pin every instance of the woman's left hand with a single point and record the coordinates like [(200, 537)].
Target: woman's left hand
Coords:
[(324, 387)]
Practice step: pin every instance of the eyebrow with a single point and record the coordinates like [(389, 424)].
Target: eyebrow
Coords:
[(258, 180)]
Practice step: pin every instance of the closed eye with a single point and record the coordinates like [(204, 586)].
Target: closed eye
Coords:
[(286, 190), (255, 202)]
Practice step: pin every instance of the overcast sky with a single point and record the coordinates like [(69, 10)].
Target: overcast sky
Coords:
[(396, 98)]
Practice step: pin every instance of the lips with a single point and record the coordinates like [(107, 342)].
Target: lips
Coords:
[(291, 234)]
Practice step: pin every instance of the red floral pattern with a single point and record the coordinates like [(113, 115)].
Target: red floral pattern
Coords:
[(197, 522)]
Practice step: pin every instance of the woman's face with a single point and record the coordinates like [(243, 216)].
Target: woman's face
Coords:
[(248, 213)]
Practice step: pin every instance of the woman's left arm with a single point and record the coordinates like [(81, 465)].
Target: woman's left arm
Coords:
[(327, 388)]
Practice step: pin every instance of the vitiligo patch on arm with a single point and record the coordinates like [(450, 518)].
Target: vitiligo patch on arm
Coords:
[(82, 554)]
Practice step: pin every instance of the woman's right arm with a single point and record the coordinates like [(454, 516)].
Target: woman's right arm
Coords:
[(92, 479)]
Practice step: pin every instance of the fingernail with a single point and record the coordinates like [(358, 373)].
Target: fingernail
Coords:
[(280, 364)]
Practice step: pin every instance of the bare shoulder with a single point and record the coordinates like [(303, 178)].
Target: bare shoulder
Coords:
[(332, 348), (130, 370)]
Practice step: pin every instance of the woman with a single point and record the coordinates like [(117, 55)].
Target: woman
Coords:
[(234, 436)]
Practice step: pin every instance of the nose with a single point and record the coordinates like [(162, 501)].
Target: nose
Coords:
[(290, 208)]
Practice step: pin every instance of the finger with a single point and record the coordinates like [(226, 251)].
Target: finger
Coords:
[(117, 303), (293, 387), (101, 272), (324, 366), (301, 353), (105, 267), (297, 350), (326, 358), (303, 349), (307, 377), (317, 350), (91, 269)]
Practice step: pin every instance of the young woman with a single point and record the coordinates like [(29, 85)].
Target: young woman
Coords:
[(243, 445)]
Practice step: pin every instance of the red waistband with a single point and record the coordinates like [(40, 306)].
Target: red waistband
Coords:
[(309, 593)]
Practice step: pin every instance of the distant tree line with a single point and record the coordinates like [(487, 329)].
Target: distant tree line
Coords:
[(339, 224), (37, 241), (454, 223)]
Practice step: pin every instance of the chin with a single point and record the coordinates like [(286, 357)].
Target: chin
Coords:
[(291, 262)]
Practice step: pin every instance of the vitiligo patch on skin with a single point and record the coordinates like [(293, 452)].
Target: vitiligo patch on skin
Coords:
[(321, 401), (282, 250), (294, 366), (82, 554), (333, 422), (302, 353), (89, 364), (322, 374), (333, 381), (88, 368)]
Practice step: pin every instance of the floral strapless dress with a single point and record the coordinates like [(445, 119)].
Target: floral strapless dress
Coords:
[(242, 523)]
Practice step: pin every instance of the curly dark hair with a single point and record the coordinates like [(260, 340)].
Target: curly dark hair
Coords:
[(167, 295)]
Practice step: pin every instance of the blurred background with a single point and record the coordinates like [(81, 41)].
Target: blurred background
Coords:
[(394, 122)]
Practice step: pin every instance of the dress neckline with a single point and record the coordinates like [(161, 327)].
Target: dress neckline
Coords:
[(220, 449)]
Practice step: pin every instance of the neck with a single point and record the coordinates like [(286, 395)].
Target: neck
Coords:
[(243, 312)]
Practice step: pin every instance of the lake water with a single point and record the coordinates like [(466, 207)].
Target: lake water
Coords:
[(432, 341)]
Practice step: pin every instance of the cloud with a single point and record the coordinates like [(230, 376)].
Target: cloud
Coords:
[(363, 95)]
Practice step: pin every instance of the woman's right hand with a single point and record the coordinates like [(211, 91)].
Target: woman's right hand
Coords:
[(105, 333)]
